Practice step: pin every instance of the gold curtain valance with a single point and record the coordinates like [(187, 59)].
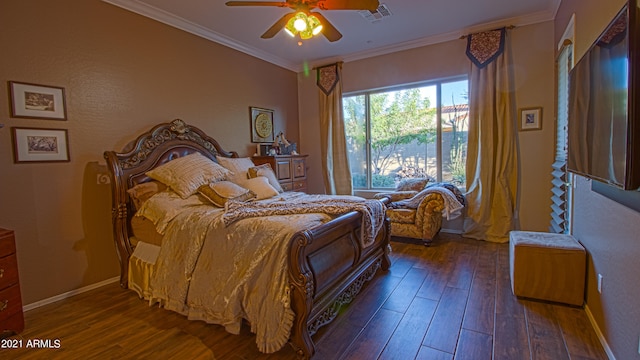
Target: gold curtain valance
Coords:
[(328, 77), (484, 47), (616, 33)]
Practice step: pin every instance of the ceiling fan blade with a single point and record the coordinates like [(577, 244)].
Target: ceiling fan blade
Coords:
[(257, 3), (328, 30), (348, 4), (275, 28)]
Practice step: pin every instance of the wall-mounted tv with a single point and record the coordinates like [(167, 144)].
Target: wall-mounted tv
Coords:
[(604, 121)]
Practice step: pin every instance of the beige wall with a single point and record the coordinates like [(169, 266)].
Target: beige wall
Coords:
[(532, 53), (609, 231), (122, 73)]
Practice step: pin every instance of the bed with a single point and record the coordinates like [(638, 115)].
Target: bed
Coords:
[(326, 260)]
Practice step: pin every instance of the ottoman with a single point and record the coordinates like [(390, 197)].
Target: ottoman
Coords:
[(547, 266)]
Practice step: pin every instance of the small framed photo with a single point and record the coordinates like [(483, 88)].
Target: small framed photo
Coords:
[(261, 125), (531, 119), (35, 101), (32, 145)]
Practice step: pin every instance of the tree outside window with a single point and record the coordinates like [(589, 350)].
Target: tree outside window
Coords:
[(396, 134)]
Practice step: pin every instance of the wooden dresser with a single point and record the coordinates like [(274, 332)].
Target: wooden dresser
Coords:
[(291, 170), (11, 317)]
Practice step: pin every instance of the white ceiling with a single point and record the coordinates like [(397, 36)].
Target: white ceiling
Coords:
[(413, 23)]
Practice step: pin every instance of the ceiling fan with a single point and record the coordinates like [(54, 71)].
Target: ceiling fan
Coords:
[(302, 21)]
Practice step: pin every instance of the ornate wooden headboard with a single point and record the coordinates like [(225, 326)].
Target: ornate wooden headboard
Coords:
[(159, 145)]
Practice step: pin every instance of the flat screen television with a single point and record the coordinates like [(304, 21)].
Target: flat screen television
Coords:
[(604, 121)]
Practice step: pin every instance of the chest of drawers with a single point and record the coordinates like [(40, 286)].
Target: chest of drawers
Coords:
[(11, 317), (291, 170)]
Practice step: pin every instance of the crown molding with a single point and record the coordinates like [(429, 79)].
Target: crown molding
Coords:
[(185, 25), (195, 29)]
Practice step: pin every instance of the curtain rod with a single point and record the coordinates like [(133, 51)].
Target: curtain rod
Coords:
[(509, 27)]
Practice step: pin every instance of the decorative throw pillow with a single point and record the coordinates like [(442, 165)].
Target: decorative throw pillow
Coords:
[(142, 192), (222, 191), (186, 174), (238, 166), (261, 187), (412, 184), (266, 171)]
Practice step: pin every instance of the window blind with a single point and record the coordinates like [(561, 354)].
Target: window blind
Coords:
[(560, 191)]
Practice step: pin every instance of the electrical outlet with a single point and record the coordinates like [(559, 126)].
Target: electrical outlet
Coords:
[(600, 283)]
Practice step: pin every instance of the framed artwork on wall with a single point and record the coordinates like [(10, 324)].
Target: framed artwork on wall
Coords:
[(531, 118), (261, 125), (32, 145), (35, 101)]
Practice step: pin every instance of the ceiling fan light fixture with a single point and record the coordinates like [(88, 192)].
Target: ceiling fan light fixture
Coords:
[(314, 24), (289, 28), (299, 21), (304, 25)]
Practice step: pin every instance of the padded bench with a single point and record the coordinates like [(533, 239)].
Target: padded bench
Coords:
[(547, 266)]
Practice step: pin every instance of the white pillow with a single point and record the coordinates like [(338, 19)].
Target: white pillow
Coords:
[(266, 171), (185, 174), (260, 186), (238, 166)]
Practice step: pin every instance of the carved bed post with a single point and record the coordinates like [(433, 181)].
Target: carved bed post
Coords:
[(301, 283), (119, 216)]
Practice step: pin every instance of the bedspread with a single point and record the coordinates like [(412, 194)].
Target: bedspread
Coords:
[(373, 211), (223, 274)]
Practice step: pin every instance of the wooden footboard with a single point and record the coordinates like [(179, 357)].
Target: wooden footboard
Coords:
[(327, 269)]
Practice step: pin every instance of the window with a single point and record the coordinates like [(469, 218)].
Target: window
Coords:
[(405, 132)]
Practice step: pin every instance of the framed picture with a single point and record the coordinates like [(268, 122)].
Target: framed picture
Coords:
[(261, 125), (39, 145), (531, 119), (37, 101)]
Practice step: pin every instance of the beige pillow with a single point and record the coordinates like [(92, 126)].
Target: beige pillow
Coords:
[(222, 191), (412, 184), (266, 171), (142, 192), (186, 174), (238, 166), (261, 187)]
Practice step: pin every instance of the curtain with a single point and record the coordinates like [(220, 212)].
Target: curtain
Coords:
[(333, 143), (492, 157)]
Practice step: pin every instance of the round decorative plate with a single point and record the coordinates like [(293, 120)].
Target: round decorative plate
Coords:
[(264, 127)]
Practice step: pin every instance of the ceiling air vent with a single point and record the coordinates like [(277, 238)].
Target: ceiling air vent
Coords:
[(378, 14)]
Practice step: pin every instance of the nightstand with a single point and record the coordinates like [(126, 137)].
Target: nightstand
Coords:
[(11, 317), (291, 170)]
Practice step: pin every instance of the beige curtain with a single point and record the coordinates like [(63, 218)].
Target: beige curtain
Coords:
[(492, 157), (333, 143)]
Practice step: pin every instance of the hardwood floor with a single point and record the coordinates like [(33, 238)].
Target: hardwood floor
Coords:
[(450, 301)]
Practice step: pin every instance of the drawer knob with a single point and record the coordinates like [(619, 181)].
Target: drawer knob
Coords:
[(4, 304), (1, 273)]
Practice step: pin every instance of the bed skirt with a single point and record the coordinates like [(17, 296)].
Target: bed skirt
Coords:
[(142, 265)]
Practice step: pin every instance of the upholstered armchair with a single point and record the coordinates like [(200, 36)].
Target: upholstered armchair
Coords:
[(416, 208)]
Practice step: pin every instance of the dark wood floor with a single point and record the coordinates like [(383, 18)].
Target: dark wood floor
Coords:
[(450, 301)]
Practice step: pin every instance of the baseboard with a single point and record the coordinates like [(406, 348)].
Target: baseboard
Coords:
[(451, 231), (69, 294), (603, 341)]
